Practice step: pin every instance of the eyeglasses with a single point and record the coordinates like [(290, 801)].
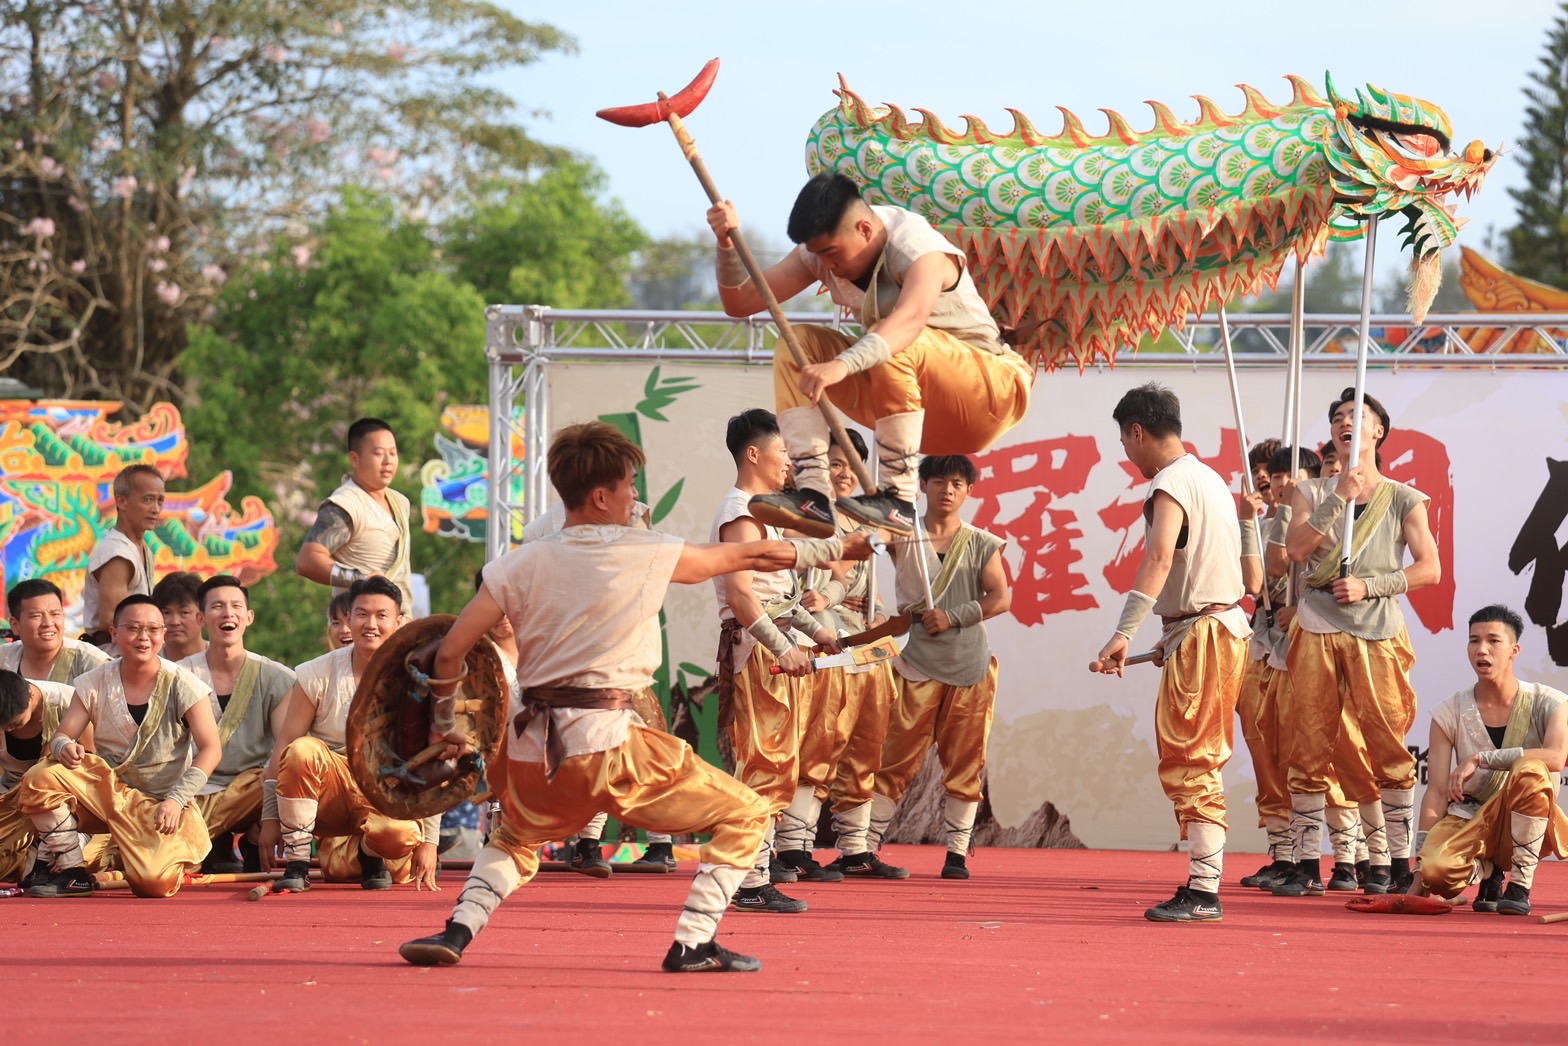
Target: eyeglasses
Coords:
[(150, 631)]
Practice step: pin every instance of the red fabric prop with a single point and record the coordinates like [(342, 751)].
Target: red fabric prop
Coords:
[(1400, 904)]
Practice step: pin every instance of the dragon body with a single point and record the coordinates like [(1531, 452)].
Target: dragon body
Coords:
[(1084, 244)]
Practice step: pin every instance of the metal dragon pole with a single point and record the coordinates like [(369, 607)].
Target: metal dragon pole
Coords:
[(1247, 485), (1363, 347)]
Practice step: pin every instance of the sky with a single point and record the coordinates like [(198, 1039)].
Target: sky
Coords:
[(779, 71)]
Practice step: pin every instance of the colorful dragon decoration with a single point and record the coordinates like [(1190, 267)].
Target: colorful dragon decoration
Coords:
[(455, 487), (1084, 244), (58, 460)]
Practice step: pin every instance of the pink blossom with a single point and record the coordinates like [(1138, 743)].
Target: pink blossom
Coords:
[(301, 255), (123, 187), (161, 243), (380, 157), (275, 53), (78, 267), (397, 52), (218, 42), (42, 228), (214, 274), (337, 28), (106, 143), (386, 174), (317, 130), (45, 254), (48, 167), (106, 81), (157, 264), (168, 293), (76, 204)]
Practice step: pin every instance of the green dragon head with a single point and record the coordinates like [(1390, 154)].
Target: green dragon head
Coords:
[(1395, 155)]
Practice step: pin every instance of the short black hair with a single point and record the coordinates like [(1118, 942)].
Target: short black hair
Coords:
[(32, 588), (1262, 452), (375, 585), (1151, 406), (364, 427), (856, 440), (180, 587), (941, 466), (1349, 396), (220, 581), (1305, 459), (134, 600), (820, 208), (341, 605), (1500, 614), (749, 428), (16, 693), (1328, 450)]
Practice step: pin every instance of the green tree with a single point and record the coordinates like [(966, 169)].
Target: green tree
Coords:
[(145, 147), (1538, 244), (368, 322)]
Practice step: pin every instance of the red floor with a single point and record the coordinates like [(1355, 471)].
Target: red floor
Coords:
[(1038, 943)]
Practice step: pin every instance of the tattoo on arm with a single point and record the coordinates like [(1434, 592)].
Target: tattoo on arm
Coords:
[(332, 528)]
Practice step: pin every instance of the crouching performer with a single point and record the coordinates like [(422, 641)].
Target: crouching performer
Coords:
[(584, 604)]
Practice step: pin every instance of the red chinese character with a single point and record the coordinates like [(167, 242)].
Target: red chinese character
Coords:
[(1422, 462), (1046, 581)]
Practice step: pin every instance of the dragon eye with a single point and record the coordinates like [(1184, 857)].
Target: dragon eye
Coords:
[(1419, 144)]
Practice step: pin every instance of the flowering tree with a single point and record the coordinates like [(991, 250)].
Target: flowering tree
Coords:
[(145, 144)]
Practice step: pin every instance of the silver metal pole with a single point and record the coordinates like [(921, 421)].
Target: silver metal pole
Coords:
[(1363, 347), (1247, 485), (1298, 346)]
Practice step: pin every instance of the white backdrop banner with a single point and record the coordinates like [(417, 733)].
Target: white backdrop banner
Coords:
[(1491, 450)]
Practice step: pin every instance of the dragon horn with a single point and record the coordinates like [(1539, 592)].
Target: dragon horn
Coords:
[(1334, 96)]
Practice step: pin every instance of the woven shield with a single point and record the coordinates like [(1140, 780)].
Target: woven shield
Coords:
[(389, 726)]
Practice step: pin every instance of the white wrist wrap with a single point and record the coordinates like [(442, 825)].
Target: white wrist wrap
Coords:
[(764, 631), (816, 552), (730, 269), (269, 800), (57, 745), (866, 353), (1138, 606), (1386, 585), (1327, 514)]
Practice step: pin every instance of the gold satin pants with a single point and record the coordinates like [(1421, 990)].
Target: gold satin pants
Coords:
[(236, 808), (1454, 844), (653, 780), (1195, 719), (311, 770), (1350, 781), (765, 730), (154, 864), (1339, 676), (826, 717), (16, 837), (971, 397), (862, 730), (957, 719)]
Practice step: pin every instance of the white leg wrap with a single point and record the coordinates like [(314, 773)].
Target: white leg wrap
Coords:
[(852, 827), (882, 811), (1342, 823), (1375, 834), (898, 452), (1529, 833), (1398, 812), (798, 823), (1306, 826), (1362, 852), (758, 876), (58, 838), (1205, 855), (654, 838), (958, 819), (710, 894), (1278, 829), (805, 433), (593, 831), (492, 880), (297, 818)]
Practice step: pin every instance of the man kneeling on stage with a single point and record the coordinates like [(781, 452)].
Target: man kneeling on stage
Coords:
[(584, 604), (1498, 806)]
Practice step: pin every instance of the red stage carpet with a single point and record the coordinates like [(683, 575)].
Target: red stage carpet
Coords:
[(1044, 945)]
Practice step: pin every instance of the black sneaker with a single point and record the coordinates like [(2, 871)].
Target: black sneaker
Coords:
[(883, 510), (1363, 869), (1402, 875), (954, 867), (373, 874), (806, 511), (220, 860), (781, 874), (1514, 901), (658, 857), (1188, 906), (766, 899), (442, 949), (708, 957), (296, 878), (1379, 880), (72, 882), (588, 858), (1304, 881), (1269, 876), (806, 869), (868, 866), (1343, 879), (1491, 889)]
